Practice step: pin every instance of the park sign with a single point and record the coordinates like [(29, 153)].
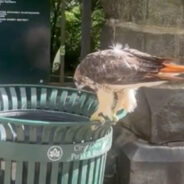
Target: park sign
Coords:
[(24, 41)]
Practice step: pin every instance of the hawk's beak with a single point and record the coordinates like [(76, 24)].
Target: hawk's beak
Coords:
[(78, 85)]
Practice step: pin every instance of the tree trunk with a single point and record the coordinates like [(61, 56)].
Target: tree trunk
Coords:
[(62, 49), (86, 28)]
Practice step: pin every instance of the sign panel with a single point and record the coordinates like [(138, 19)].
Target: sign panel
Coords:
[(24, 41)]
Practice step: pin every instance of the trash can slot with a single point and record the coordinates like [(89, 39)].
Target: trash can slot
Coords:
[(62, 101), (43, 172), (31, 172), (5, 101), (19, 172), (54, 172), (7, 171), (14, 100), (43, 98), (53, 99), (33, 98), (23, 98)]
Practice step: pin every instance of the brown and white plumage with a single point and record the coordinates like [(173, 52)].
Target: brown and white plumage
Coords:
[(115, 75)]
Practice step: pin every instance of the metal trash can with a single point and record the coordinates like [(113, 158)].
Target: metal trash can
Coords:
[(46, 136)]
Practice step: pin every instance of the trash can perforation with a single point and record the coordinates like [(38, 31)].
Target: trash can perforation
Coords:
[(8, 134), (88, 171), (100, 169), (7, 90), (97, 169), (91, 171), (65, 173), (48, 176), (58, 136), (43, 98), (45, 135), (23, 98), (19, 129), (4, 99), (68, 103), (32, 134), (76, 134), (75, 172), (34, 98), (82, 100), (43, 173), (13, 131), (84, 171), (53, 99), (7, 178), (19, 172), (52, 132), (67, 135), (31, 173), (103, 168), (36, 172), (14, 100), (54, 173), (62, 101), (87, 106)]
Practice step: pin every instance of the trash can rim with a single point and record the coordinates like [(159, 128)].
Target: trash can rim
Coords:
[(39, 122), (46, 86)]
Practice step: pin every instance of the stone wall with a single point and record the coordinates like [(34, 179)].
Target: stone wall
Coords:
[(152, 26)]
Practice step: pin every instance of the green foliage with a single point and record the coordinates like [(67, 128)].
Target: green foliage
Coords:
[(73, 29), (97, 23)]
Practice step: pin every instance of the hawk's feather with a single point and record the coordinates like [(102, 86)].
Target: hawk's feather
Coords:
[(122, 66)]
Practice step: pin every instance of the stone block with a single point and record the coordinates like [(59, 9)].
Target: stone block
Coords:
[(166, 13), (156, 41), (140, 163), (158, 117)]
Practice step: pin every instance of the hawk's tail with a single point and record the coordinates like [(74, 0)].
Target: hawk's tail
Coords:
[(172, 68), (169, 72)]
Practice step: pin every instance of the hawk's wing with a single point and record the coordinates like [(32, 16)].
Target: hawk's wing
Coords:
[(121, 67)]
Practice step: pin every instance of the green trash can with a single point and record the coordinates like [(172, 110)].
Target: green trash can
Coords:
[(46, 136)]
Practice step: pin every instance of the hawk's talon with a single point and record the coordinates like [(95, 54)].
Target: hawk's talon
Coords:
[(97, 117), (101, 117), (115, 118), (108, 117)]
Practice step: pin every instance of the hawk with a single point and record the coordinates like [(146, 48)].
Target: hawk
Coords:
[(115, 75)]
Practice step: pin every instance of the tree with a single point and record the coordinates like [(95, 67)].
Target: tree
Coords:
[(73, 30)]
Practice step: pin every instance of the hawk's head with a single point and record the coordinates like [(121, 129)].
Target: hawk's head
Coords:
[(79, 79)]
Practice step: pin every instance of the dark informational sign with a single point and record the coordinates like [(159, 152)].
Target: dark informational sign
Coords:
[(24, 41)]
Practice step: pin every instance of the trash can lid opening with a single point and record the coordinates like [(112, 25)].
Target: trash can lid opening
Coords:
[(43, 115)]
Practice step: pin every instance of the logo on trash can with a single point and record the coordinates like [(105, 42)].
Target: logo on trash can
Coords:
[(55, 153)]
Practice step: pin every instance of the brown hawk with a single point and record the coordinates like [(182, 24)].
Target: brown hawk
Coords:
[(115, 75)]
